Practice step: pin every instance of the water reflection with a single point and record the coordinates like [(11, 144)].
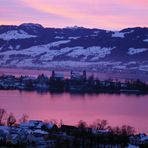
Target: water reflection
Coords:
[(70, 108)]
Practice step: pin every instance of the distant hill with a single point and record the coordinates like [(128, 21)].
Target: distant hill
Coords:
[(33, 46)]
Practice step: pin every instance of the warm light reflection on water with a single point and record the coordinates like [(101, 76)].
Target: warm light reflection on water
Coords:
[(117, 109)]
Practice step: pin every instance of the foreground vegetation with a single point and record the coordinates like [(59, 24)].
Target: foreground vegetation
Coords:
[(35, 133)]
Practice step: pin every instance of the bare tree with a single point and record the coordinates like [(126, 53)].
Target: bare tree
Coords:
[(82, 124), (124, 130), (11, 120), (116, 130), (61, 123), (100, 124), (52, 121), (3, 114), (127, 130), (24, 118)]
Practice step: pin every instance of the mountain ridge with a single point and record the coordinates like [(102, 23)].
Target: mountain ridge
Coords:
[(32, 45)]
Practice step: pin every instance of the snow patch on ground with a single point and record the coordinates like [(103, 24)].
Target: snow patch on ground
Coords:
[(132, 51), (10, 47), (90, 51), (73, 37), (143, 68), (96, 32), (131, 31), (17, 47), (118, 34), (121, 34), (94, 59), (52, 53), (76, 52), (131, 62), (119, 67), (146, 40), (59, 37), (37, 50), (15, 34)]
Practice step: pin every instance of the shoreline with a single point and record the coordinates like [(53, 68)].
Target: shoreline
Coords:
[(77, 83), (121, 75)]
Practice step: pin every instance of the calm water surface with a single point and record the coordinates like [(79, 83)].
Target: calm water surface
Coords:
[(117, 109)]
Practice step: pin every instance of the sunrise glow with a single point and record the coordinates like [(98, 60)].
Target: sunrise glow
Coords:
[(113, 14)]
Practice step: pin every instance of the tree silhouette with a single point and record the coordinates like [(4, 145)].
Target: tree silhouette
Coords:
[(24, 118), (2, 115), (11, 120), (100, 124)]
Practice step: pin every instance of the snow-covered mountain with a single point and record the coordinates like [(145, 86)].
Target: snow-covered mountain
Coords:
[(33, 46), (15, 34)]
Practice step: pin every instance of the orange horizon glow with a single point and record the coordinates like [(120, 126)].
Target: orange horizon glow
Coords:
[(113, 14)]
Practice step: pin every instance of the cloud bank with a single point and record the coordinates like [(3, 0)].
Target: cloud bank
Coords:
[(113, 14)]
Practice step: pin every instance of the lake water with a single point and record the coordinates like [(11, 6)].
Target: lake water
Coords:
[(117, 109)]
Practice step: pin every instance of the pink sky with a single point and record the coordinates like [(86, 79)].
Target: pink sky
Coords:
[(107, 14)]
